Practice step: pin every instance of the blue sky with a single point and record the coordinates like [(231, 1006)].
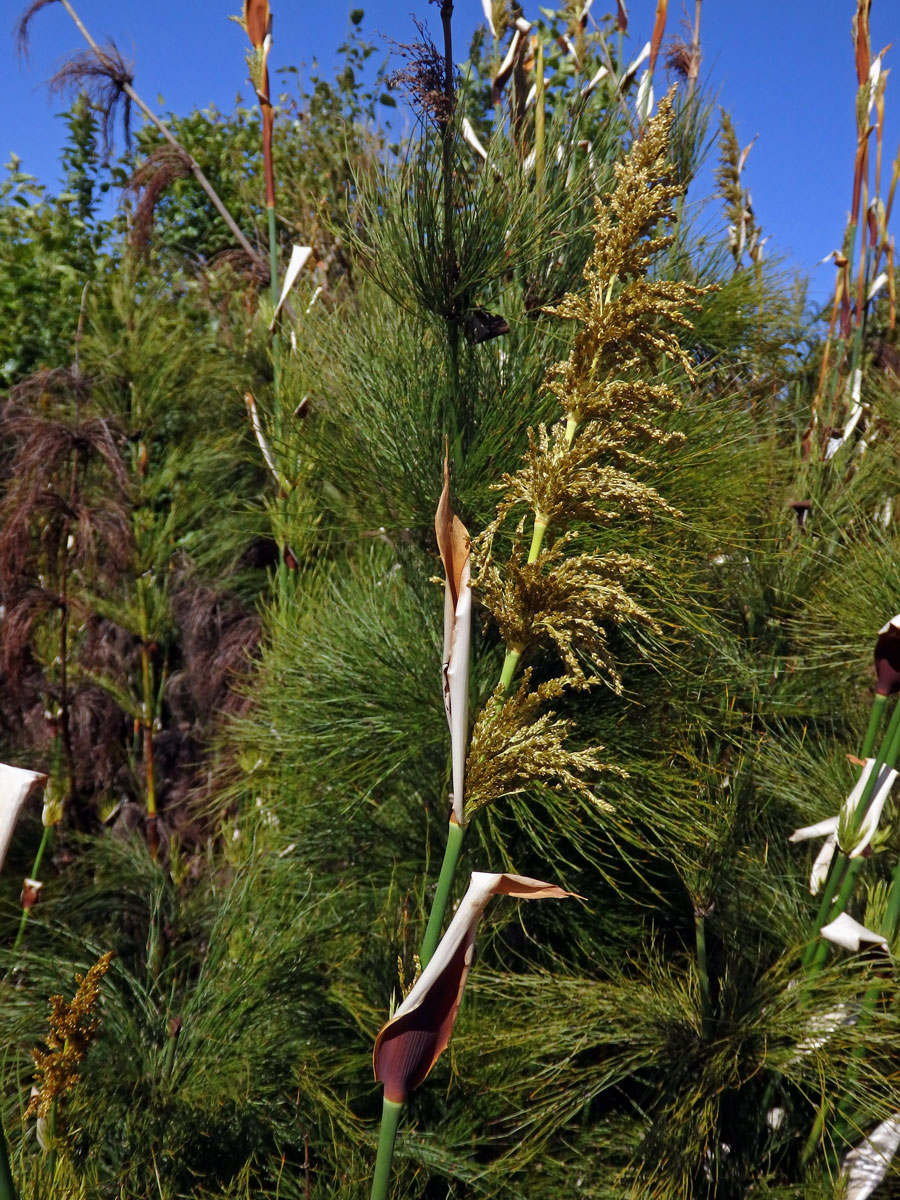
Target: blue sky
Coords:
[(783, 69)]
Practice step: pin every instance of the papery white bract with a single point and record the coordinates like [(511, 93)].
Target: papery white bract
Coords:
[(849, 933), (866, 1164), (16, 785), (453, 544), (413, 1040), (830, 826)]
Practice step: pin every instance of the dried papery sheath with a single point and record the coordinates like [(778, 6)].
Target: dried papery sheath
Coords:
[(453, 544), (257, 21), (845, 931), (867, 1164), (887, 658), (16, 785), (413, 1040)]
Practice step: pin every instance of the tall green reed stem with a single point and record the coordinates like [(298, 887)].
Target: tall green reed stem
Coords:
[(702, 969), (390, 1122), (456, 832), (7, 1187), (46, 835), (455, 835)]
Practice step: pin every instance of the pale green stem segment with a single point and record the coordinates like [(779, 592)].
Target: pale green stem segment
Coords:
[(539, 121), (390, 1121), (874, 725), (455, 834), (815, 1134), (703, 970), (510, 662), (7, 1187), (46, 834)]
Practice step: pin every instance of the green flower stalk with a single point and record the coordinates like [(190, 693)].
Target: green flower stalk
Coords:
[(579, 470), (419, 1032)]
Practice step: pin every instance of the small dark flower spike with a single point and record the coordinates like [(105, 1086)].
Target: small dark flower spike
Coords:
[(801, 511), (887, 658)]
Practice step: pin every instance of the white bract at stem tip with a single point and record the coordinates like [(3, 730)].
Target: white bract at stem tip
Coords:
[(16, 785)]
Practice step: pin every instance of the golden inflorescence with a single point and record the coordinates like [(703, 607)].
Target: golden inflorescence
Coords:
[(581, 470), (73, 1026)]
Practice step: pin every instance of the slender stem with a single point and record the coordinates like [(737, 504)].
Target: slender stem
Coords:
[(46, 834), (7, 1187), (703, 970), (510, 662), (835, 875), (694, 69), (537, 537), (815, 1134), (539, 117), (192, 164), (874, 724), (273, 291), (455, 834), (390, 1121)]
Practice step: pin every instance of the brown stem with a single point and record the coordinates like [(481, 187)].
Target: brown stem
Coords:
[(193, 165)]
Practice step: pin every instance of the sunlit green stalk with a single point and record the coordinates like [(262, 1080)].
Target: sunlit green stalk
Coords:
[(872, 728), (455, 834), (390, 1121), (539, 120)]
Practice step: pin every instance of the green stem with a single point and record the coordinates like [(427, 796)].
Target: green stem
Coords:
[(510, 662), (835, 875), (537, 537), (815, 1134), (455, 834), (539, 121), (46, 834), (7, 1187), (874, 724), (703, 970), (390, 1121)]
